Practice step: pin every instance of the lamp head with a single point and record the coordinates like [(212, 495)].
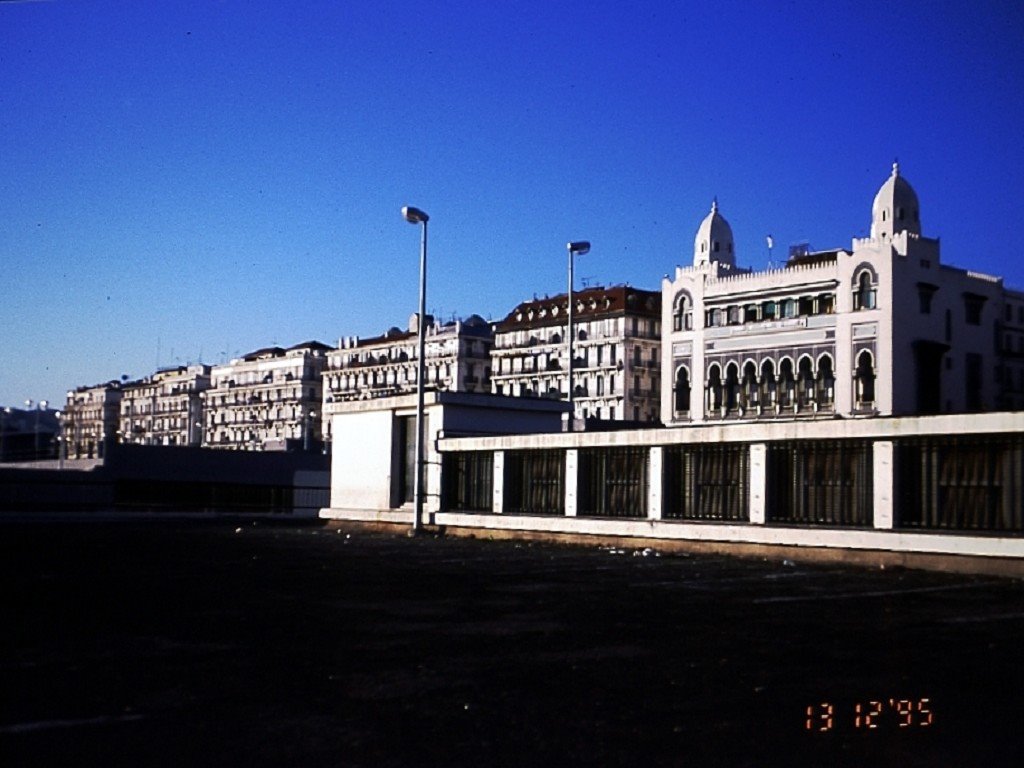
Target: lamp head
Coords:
[(414, 215), (579, 248)]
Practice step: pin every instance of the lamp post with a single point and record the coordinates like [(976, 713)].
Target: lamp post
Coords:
[(416, 216), (578, 248)]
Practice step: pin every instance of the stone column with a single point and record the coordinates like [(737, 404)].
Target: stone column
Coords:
[(883, 484), (757, 505), (571, 481), (654, 482), (498, 483)]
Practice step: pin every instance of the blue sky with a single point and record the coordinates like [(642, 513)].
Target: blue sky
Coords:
[(193, 180)]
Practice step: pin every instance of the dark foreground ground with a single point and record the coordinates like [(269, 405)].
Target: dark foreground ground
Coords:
[(198, 644)]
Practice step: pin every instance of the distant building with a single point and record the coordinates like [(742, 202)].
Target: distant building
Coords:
[(165, 408), (269, 399), (90, 420), (881, 329), (616, 351), (457, 359)]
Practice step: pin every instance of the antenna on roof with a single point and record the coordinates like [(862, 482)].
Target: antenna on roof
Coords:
[(771, 244)]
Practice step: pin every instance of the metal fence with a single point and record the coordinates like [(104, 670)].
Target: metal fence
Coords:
[(535, 482), (467, 481), (823, 482), (613, 482), (962, 483), (706, 482)]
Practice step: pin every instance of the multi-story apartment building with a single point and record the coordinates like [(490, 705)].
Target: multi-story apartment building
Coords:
[(267, 400), (89, 422), (165, 408), (616, 352), (457, 358), (881, 329)]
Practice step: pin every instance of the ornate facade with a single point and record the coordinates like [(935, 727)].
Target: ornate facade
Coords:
[(881, 329), (165, 408), (268, 399), (90, 420), (616, 352)]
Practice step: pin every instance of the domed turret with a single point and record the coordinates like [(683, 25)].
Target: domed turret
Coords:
[(713, 242), (895, 208)]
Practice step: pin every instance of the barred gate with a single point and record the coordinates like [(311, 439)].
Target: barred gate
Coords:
[(613, 482), (706, 482), (535, 482), (825, 482), (962, 483), (467, 481)]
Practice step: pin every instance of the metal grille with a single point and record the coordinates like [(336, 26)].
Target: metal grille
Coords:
[(535, 482), (826, 482), (468, 481), (966, 482), (706, 482), (613, 482)]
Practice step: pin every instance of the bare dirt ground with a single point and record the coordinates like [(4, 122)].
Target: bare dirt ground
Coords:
[(241, 643)]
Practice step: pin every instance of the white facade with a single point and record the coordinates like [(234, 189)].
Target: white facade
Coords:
[(372, 462), (268, 399), (881, 329), (165, 408), (616, 353), (90, 419)]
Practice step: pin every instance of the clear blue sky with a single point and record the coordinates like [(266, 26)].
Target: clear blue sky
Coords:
[(183, 180)]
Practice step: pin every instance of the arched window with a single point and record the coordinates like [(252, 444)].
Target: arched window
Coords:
[(865, 381), (788, 308), (682, 391), (714, 389), (749, 389), (826, 382), (805, 383), (786, 383), (732, 387), (682, 319), (767, 397), (864, 292)]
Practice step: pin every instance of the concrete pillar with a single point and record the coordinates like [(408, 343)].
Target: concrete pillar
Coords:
[(758, 483), (884, 484), (498, 483), (654, 482), (571, 481)]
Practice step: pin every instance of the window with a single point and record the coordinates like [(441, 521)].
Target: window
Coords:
[(750, 314), (973, 305), (734, 315), (925, 292), (683, 317), (788, 308), (864, 296), (769, 310), (682, 391)]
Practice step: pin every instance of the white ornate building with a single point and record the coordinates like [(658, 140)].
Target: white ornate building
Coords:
[(90, 418), (457, 359), (165, 408), (881, 329), (616, 352), (267, 400)]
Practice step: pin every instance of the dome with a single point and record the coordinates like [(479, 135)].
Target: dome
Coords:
[(895, 208), (714, 240)]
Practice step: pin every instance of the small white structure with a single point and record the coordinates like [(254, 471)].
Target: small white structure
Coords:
[(881, 329), (372, 462)]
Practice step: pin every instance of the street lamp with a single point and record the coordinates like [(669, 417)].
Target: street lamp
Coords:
[(578, 248), (4, 422), (416, 216)]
